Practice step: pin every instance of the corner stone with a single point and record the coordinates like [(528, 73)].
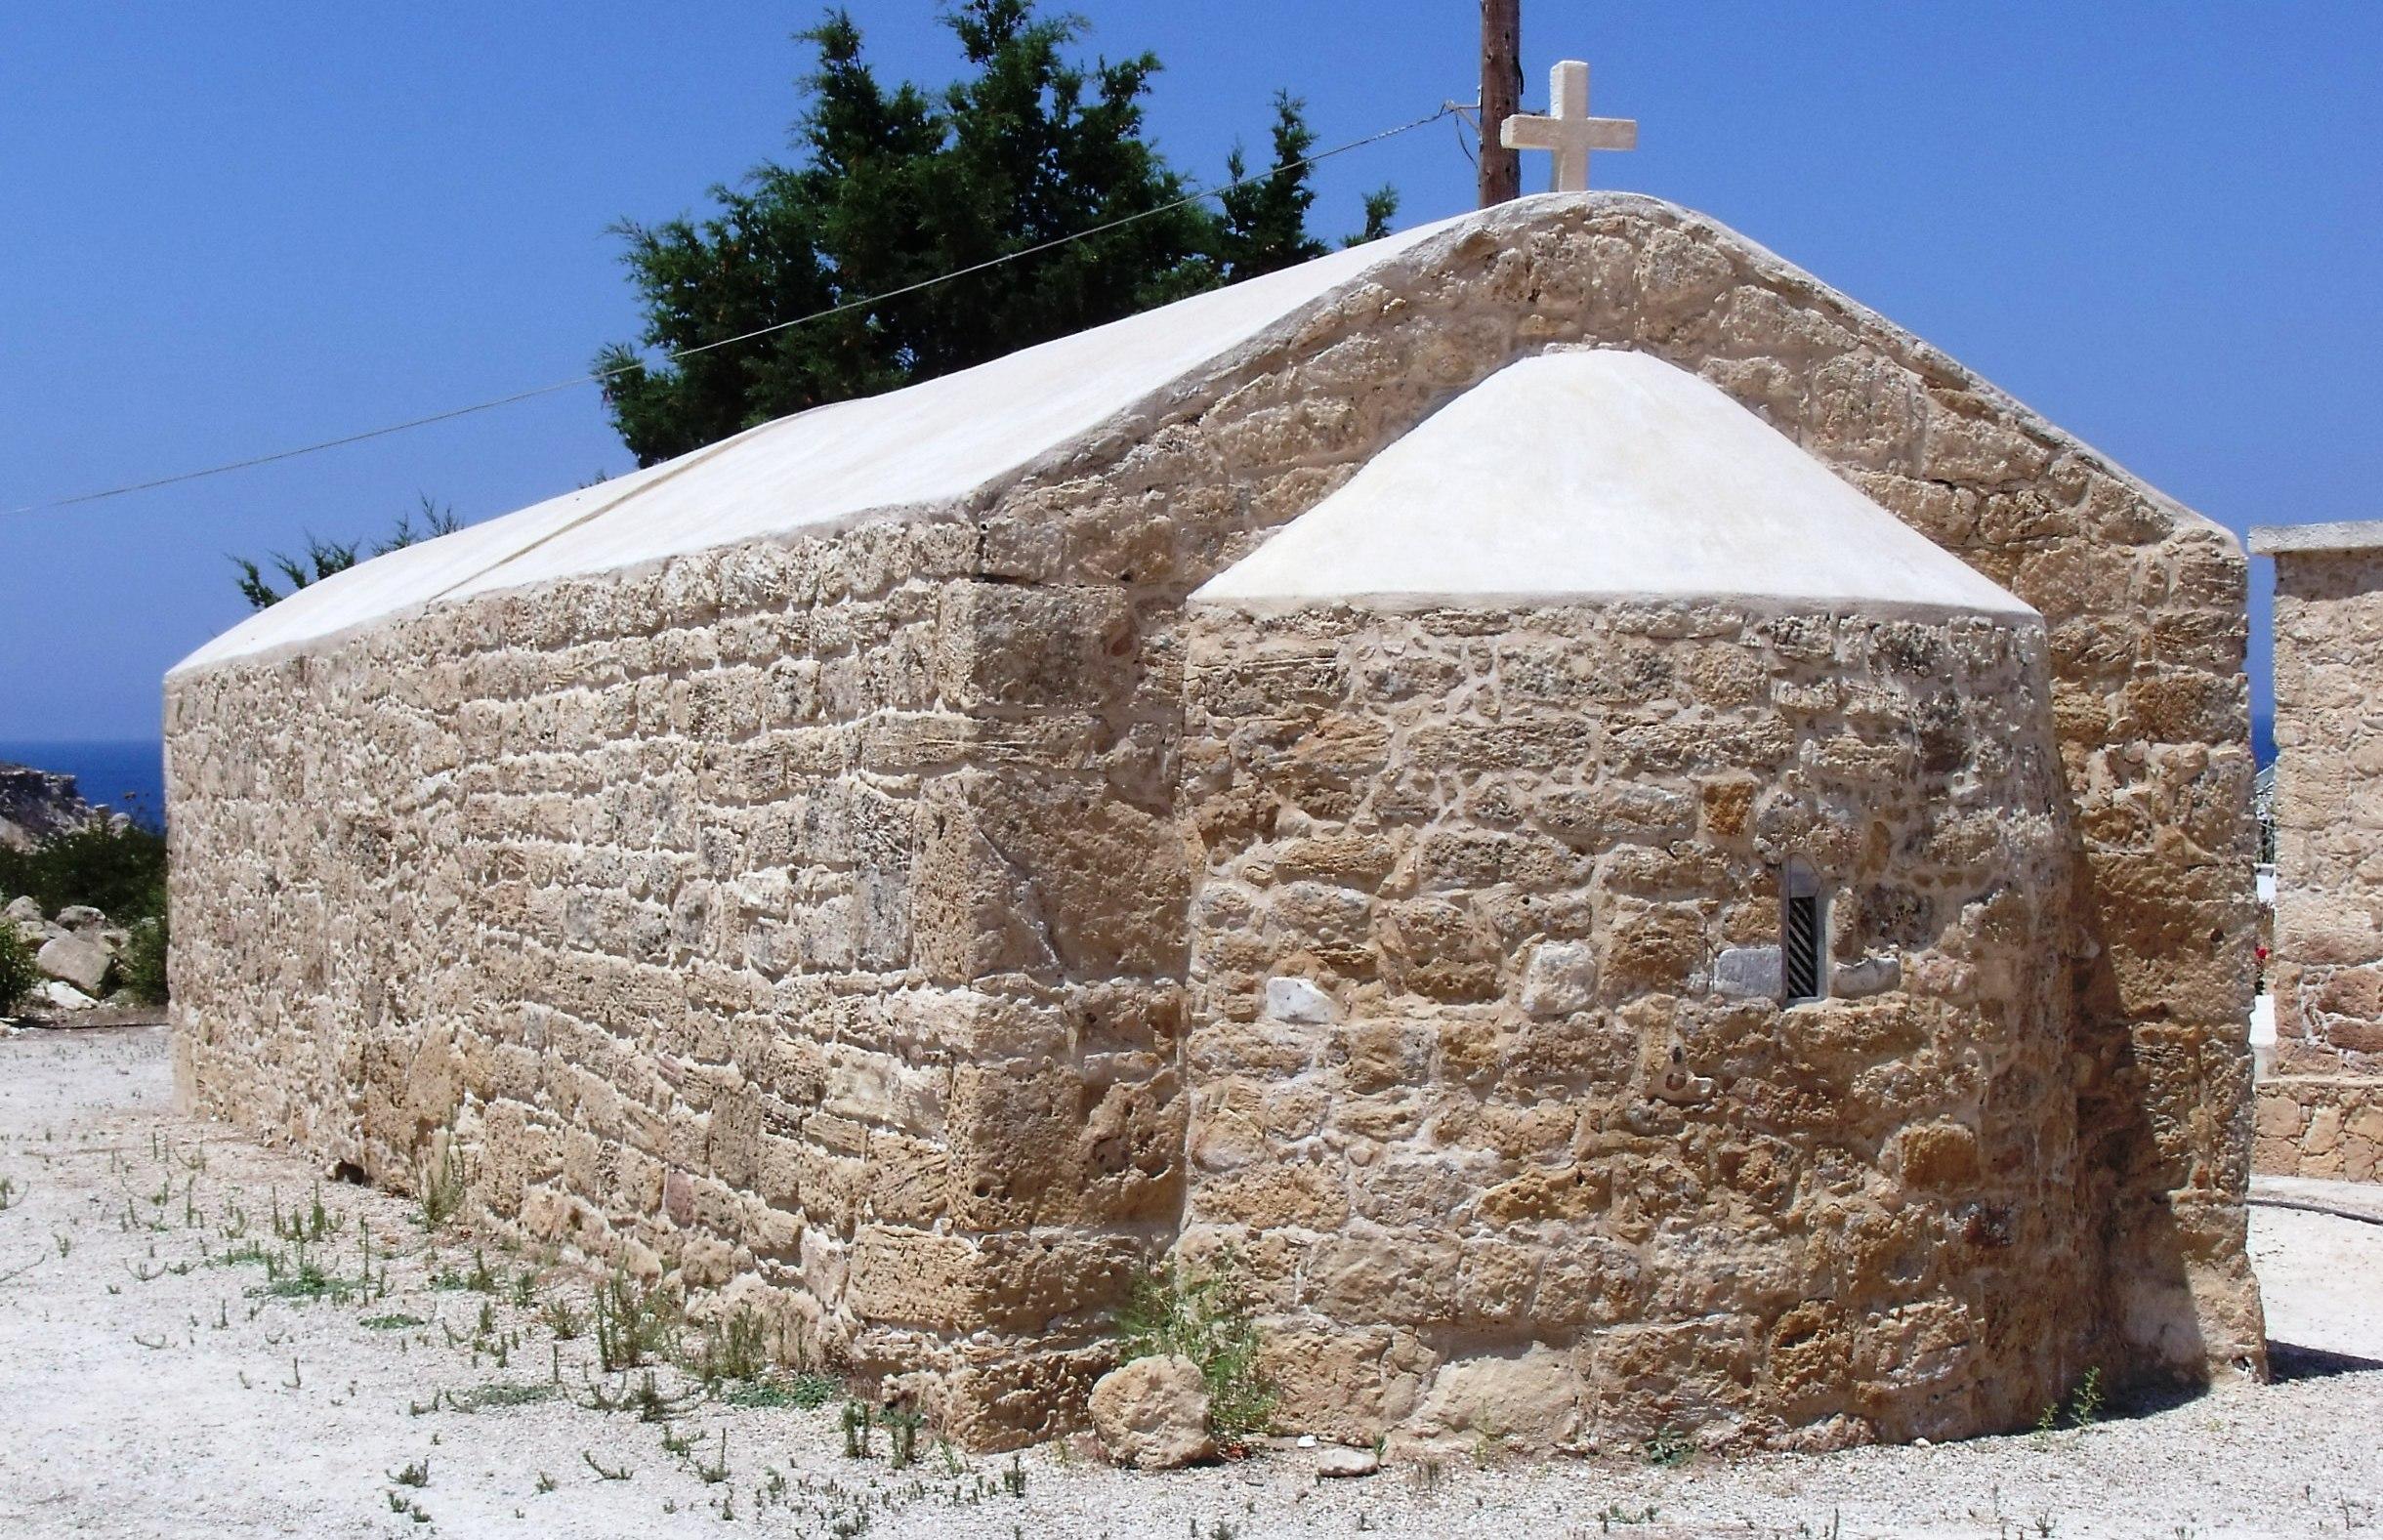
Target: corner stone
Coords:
[(1338, 1460)]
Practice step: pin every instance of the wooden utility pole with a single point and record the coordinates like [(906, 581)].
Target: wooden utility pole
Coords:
[(1502, 170)]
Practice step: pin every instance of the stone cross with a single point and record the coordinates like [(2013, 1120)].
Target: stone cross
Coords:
[(1570, 133)]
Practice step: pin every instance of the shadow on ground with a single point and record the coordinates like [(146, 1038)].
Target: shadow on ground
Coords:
[(2287, 1361)]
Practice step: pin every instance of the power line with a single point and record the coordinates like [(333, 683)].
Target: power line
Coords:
[(1446, 109)]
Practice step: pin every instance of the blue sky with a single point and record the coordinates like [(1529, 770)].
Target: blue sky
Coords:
[(228, 228)]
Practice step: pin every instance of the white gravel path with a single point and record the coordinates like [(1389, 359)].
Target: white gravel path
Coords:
[(149, 1390)]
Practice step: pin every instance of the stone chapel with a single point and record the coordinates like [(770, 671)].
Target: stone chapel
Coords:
[(1633, 845)]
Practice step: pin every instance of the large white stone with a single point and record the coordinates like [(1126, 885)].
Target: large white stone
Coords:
[(1559, 979), (80, 963), (2363, 534), (1532, 1399), (1866, 975), (65, 996), (1290, 999), (1747, 972), (1598, 475), (1340, 1462)]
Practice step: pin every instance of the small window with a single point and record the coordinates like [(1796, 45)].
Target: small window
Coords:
[(1803, 923)]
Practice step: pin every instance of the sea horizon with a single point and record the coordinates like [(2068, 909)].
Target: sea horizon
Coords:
[(125, 774)]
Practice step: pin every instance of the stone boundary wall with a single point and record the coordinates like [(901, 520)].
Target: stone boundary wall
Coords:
[(1494, 1101), (2327, 972), (2318, 1115), (2328, 1126), (462, 871)]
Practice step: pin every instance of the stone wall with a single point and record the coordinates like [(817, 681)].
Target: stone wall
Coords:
[(1493, 1097), (2319, 1115), (666, 902), (2328, 1126), (812, 917)]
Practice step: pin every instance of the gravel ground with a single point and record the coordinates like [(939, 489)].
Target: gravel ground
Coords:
[(154, 1388)]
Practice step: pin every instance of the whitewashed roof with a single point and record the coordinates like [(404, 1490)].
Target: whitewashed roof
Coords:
[(929, 449), (1596, 475), (927, 445)]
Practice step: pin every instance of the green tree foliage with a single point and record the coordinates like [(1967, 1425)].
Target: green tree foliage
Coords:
[(323, 557), (1264, 223), (113, 864), (899, 185)]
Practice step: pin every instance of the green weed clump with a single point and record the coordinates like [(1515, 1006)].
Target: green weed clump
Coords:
[(735, 1347), (1203, 1315), (559, 1316), (442, 1188), (2084, 1408), (487, 1398), (805, 1392), (634, 1322), (1668, 1448), (903, 1427), (18, 974), (141, 966)]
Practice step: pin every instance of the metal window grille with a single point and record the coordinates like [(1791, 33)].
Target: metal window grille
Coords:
[(1800, 951)]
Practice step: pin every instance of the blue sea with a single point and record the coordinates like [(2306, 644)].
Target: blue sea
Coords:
[(127, 774)]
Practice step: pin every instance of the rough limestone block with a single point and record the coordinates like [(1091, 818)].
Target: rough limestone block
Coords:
[(1017, 645), (1341, 1462), (1748, 972), (1153, 1414), (1869, 975), (1532, 1399), (1561, 978)]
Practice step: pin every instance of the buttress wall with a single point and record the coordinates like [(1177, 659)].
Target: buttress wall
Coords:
[(1496, 1101), (2143, 604)]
